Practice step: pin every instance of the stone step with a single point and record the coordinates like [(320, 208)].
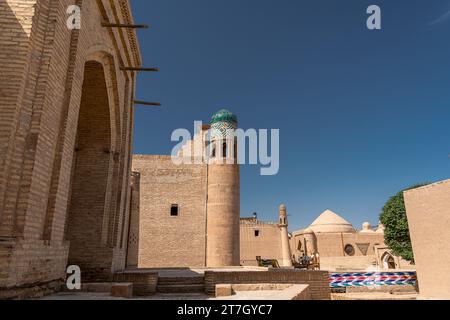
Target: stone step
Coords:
[(165, 281), (190, 288)]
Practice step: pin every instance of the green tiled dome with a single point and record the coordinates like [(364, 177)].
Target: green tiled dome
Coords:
[(224, 115), (223, 124)]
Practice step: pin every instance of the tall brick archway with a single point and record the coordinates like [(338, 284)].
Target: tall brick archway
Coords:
[(93, 178), (41, 104)]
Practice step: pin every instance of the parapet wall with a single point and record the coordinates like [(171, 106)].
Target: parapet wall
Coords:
[(428, 210), (144, 282), (317, 280)]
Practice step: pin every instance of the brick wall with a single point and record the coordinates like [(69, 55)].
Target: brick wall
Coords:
[(144, 283), (41, 88), (332, 244), (428, 210), (166, 241), (267, 244), (133, 235), (347, 263), (317, 280), (331, 249)]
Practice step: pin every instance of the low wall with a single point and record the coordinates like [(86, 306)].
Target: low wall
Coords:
[(33, 291), (317, 280), (144, 282), (372, 279)]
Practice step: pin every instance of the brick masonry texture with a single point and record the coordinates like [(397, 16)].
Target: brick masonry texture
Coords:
[(144, 283), (46, 135), (164, 240), (317, 280), (331, 247), (267, 244), (428, 211), (207, 193)]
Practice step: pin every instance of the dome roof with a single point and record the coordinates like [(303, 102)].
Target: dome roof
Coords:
[(308, 230), (329, 221), (223, 115), (366, 228)]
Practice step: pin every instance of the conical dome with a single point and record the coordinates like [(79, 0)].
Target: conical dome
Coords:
[(329, 221)]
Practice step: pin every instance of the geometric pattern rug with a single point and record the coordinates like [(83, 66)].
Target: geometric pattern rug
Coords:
[(368, 279)]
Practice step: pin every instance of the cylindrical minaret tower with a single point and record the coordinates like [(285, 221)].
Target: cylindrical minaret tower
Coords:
[(285, 248), (223, 193), (310, 242)]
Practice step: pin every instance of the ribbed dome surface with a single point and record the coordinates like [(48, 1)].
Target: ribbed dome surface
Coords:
[(329, 221)]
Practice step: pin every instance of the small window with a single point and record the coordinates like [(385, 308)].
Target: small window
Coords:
[(224, 153), (256, 233), (174, 210), (212, 149)]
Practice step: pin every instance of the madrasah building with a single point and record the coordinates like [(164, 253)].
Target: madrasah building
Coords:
[(187, 214)]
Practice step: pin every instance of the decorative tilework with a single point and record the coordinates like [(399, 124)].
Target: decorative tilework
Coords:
[(355, 279), (223, 124)]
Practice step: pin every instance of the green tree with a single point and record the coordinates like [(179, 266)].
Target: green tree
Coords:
[(394, 219)]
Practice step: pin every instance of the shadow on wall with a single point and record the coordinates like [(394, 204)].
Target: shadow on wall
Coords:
[(15, 65)]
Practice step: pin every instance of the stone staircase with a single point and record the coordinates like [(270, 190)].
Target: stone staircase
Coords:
[(174, 285)]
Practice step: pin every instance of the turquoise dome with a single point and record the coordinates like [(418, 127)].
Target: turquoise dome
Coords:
[(224, 115)]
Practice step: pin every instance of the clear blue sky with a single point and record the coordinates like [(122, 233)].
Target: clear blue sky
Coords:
[(362, 114)]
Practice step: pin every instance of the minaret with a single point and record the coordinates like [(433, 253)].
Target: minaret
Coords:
[(285, 249), (223, 193), (310, 243)]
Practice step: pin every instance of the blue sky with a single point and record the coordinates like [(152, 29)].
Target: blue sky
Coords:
[(362, 114)]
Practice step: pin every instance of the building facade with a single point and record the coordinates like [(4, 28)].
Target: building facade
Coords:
[(341, 247), (428, 211), (267, 240), (188, 210), (65, 140)]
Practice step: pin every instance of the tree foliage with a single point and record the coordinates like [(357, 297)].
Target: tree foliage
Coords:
[(394, 219)]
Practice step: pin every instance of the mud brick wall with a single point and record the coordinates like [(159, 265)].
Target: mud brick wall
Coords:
[(43, 65), (317, 280), (144, 283)]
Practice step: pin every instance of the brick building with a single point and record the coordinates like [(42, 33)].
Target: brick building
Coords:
[(65, 140), (186, 208), (268, 240), (341, 247), (428, 211)]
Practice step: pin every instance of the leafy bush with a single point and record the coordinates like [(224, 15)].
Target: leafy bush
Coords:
[(396, 233)]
